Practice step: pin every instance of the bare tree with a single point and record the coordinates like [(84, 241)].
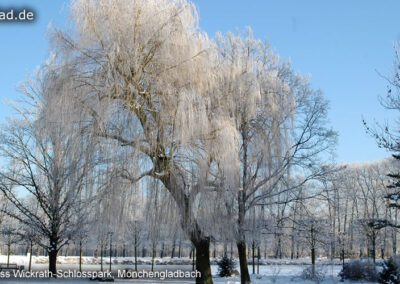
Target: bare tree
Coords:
[(48, 160)]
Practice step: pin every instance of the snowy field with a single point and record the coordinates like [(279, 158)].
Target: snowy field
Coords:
[(274, 271)]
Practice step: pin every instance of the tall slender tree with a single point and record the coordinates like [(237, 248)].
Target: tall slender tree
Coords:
[(280, 120)]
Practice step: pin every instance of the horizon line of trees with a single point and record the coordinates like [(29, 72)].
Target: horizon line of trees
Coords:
[(332, 224)]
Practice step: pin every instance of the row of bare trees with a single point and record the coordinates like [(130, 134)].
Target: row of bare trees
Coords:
[(332, 221)]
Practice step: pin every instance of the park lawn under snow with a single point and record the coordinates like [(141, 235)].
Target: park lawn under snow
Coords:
[(277, 271)]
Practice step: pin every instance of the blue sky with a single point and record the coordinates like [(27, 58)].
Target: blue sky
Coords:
[(341, 44)]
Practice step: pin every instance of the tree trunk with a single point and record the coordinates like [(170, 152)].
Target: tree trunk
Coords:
[(162, 250), (192, 256), (385, 236), (292, 245), (225, 249), (253, 248), (373, 254), (53, 261), (244, 270), (214, 252), (136, 253), (313, 244), (173, 249), (394, 235), (201, 243), (101, 256), (30, 257), (80, 255), (153, 255), (351, 227), (258, 259), (313, 260), (313, 256), (203, 261), (343, 255), (241, 243), (8, 254)]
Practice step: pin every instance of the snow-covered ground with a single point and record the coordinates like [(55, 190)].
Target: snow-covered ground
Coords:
[(273, 271)]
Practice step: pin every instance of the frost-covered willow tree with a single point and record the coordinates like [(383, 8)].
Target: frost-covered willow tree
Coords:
[(47, 160), (149, 82), (280, 120)]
